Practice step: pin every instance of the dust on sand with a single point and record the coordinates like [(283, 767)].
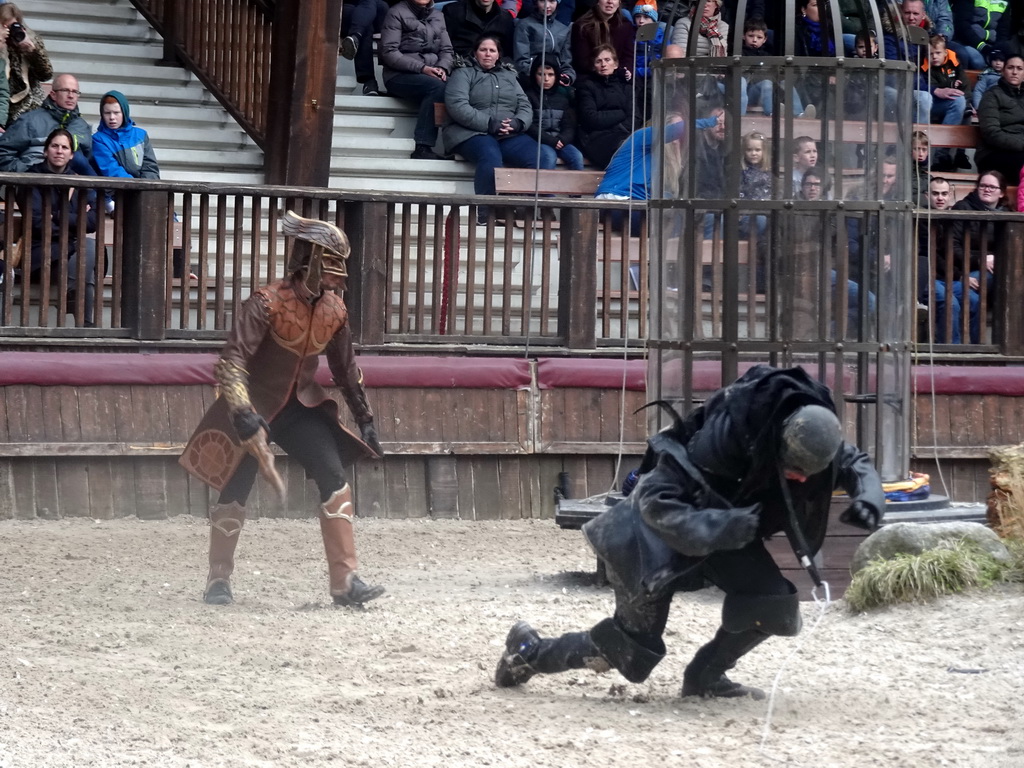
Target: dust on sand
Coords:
[(109, 658)]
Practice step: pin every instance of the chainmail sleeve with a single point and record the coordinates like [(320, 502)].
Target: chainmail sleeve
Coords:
[(231, 371), (342, 361)]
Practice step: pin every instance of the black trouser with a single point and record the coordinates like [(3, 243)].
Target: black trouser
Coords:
[(306, 435), (747, 571), (631, 641)]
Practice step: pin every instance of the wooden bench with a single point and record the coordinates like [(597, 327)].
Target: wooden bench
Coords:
[(527, 181)]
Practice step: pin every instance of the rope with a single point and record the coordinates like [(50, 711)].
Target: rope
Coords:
[(823, 605)]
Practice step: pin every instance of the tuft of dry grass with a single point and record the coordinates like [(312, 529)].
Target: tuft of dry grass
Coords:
[(920, 578)]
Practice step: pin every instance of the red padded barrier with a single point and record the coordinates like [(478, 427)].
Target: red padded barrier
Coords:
[(175, 368), (90, 369), (593, 373), (441, 372), (969, 380)]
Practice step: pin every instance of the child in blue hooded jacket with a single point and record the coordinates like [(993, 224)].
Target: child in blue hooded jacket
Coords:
[(120, 148)]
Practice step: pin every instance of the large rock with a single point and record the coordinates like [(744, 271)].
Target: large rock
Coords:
[(915, 538)]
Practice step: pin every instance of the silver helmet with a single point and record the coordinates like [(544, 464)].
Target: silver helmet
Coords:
[(328, 251)]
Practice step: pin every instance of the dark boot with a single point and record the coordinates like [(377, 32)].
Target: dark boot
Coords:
[(349, 46), (527, 654), (705, 674), (336, 527), (226, 521)]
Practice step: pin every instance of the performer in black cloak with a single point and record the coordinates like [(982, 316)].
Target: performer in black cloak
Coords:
[(760, 457)]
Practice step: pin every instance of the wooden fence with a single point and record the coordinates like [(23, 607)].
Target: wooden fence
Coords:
[(176, 259), (227, 44)]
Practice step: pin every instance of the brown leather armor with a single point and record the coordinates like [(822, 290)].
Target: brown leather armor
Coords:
[(273, 351)]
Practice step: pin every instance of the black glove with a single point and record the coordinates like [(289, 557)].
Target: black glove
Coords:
[(740, 529), (494, 125), (248, 423), (517, 125), (369, 435), (860, 514)]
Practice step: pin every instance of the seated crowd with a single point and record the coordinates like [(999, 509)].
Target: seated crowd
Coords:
[(584, 66), (45, 132)]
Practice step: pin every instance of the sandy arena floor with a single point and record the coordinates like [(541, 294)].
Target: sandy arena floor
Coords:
[(109, 658)]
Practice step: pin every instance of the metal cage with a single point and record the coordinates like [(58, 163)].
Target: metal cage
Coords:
[(773, 265)]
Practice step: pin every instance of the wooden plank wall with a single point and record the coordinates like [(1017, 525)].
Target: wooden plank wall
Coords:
[(111, 451)]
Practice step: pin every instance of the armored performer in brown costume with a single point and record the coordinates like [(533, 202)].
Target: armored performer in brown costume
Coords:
[(266, 377)]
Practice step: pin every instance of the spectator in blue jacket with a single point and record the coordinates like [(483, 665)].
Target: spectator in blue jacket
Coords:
[(120, 148)]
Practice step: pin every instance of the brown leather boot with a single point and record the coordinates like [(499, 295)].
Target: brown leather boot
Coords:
[(337, 527), (226, 521)]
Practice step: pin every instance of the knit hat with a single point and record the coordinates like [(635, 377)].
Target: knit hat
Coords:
[(996, 53), (647, 8)]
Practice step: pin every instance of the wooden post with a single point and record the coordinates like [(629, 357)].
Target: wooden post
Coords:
[(1008, 317), (300, 123), (171, 30), (144, 275), (577, 285), (366, 225)]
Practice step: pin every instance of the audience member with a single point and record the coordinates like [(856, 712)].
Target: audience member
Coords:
[(27, 64), (602, 25), (709, 164), (554, 117), (812, 39), (980, 25), (712, 41), (755, 178), (805, 157), (21, 147), (629, 174), (64, 210), (5, 87), (417, 55), (647, 52), (988, 76), (604, 107), (760, 86), (974, 241), (947, 289), (120, 148), (920, 171), (951, 93), (489, 114), (898, 48), (812, 185), (1001, 121), (861, 84), (541, 35), (468, 20), (359, 20)]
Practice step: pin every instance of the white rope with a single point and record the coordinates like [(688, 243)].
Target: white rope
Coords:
[(823, 605)]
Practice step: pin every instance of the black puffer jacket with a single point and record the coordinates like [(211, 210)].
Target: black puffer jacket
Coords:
[(696, 477), (556, 121), (604, 109), (1001, 118)]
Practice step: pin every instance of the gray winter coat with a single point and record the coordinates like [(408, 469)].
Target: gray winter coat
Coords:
[(474, 96), (21, 146), (413, 37), (530, 39)]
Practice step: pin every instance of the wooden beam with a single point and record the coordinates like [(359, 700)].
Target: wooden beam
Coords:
[(300, 123)]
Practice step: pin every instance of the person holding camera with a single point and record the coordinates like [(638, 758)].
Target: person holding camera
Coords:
[(28, 65)]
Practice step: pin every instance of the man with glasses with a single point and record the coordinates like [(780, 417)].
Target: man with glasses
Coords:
[(21, 146)]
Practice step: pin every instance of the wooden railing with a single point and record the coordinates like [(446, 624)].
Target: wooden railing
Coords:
[(176, 259), (227, 44)]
